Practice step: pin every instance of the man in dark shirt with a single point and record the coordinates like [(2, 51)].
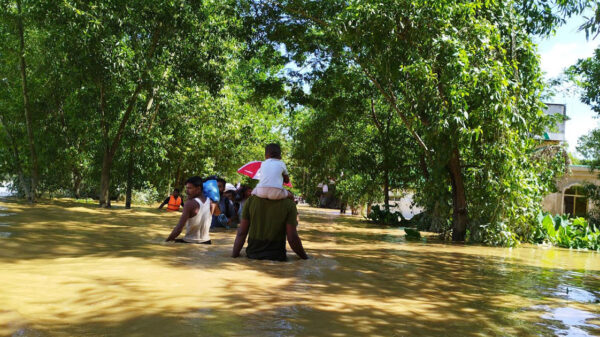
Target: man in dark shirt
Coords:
[(267, 223), (225, 205)]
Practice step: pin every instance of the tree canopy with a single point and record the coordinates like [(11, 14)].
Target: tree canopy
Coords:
[(443, 98)]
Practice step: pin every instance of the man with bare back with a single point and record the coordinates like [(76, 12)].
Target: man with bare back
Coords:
[(196, 216)]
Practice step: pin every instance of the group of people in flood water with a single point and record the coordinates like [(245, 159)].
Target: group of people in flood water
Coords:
[(267, 214)]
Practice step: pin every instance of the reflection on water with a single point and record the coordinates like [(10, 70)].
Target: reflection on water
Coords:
[(72, 269), (576, 294), (571, 321)]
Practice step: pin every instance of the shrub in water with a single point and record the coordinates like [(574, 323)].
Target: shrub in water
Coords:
[(384, 217), (569, 233), (412, 234)]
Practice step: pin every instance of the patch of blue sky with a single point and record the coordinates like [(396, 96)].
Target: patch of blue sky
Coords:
[(557, 53)]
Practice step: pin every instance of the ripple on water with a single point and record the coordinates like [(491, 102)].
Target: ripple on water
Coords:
[(4, 235), (7, 214), (4, 225)]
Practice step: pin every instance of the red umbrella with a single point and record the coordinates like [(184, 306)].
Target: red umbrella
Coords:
[(252, 170)]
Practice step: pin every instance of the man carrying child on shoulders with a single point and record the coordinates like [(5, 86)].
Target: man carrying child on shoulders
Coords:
[(269, 216)]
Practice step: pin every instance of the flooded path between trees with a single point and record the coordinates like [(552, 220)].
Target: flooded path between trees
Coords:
[(69, 269)]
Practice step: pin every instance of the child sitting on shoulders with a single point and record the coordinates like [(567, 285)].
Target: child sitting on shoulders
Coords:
[(273, 173)]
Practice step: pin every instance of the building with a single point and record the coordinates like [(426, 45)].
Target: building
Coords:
[(570, 198)]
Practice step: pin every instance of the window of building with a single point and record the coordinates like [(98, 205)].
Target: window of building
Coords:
[(575, 202)]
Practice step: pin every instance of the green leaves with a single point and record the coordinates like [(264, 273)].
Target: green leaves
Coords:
[(569, 233), (548, 225), (456, 76)]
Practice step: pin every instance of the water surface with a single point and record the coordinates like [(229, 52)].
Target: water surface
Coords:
[(71, 269)]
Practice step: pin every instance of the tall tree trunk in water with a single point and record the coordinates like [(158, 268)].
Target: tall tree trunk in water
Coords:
[(134, 141), (129, 177), (103, 197), (459, 199), (28, 121), (177, 178), (17, 158), (105, 179), (77, 183), (109, 153)]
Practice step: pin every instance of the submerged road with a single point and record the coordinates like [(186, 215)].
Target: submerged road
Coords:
[(71, 269)]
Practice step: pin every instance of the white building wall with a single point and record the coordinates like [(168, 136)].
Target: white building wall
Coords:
[(580, 175)]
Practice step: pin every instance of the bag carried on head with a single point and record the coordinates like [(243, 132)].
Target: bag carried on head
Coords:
[(211, 190)]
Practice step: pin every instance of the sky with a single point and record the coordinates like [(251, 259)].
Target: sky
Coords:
[(557, 53)]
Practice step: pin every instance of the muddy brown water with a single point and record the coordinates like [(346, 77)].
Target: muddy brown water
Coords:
[(71, 269)]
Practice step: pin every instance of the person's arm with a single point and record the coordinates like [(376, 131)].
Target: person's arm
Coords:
[(213, 207), (294, 241), (164, 203), (230, 209), (240, 237), (285, 173), (185, 215)]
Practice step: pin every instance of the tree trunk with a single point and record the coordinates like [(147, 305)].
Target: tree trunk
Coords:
[(129, 177), (28, 121), (112, 150), (423, 164), (17, 159), (386, 188), (460, 218), (176, 183), (105, 180), (77, 184)]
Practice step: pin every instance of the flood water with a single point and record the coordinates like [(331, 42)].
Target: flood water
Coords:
[(69, 269)]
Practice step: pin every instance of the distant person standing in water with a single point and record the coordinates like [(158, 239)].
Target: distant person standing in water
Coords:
[(196, 215), (173, 202)]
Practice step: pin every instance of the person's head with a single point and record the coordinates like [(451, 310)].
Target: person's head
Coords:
[(229, 194), (221, 184), (272, 151), (176, 192), (244, 192), (193, 187)]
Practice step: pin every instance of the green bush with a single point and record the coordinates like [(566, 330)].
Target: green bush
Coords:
[(412, 234), (496, 234), (385, 217), (146, 196), (569, 233)]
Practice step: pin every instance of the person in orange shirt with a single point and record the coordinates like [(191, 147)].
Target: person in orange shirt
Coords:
[(173, 202)]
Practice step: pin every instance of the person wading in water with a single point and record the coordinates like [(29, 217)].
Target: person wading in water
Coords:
[(173, 202), (196, 215)]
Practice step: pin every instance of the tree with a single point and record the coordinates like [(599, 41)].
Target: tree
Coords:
[(119, 90), (371, 147), (463, 79), (132, 44), (14, 13), (586, 75)]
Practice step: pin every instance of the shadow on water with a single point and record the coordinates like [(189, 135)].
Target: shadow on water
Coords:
[(112, 276)]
